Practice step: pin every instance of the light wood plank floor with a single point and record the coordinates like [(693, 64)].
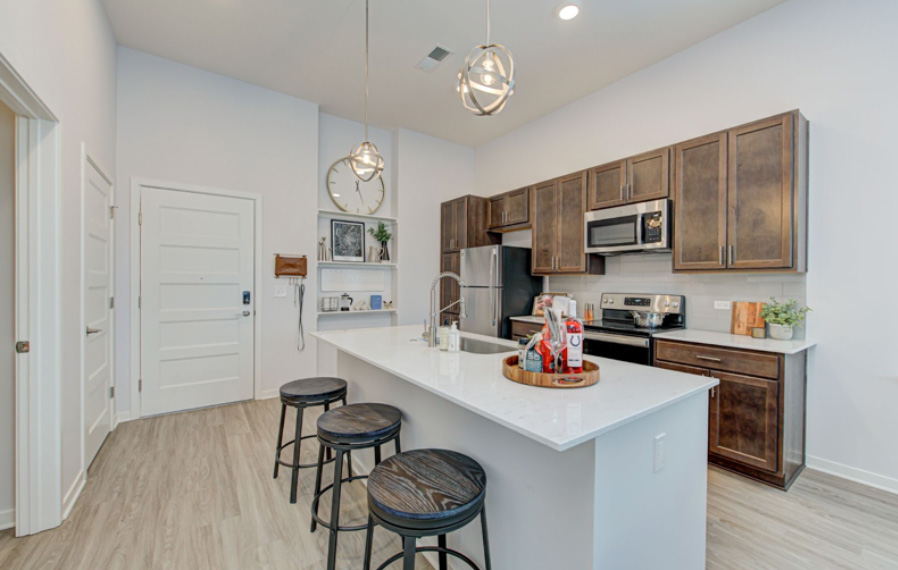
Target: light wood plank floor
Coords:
[(194, 491)]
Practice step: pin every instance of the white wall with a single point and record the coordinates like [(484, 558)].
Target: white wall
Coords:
[(180, 124), (7, 314), (429, 172), (70, 64), (832, 59)]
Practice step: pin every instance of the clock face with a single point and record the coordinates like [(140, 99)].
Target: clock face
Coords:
[(351, 194)]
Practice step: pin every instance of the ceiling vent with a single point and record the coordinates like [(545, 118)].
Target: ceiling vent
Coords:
[(433, 59)]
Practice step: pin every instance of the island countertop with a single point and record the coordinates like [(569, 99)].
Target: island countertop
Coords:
[(558, 418)]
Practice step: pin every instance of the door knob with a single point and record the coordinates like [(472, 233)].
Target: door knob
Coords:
[(245, 313), (93, 331)]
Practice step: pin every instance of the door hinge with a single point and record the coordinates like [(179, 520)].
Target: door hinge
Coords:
[(140, 385), (111, 392), (23, 347), (140, 218), (111, 302), (112, 212)]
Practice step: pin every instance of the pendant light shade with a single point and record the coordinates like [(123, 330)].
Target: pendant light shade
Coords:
[(487, 79), (364, 160)]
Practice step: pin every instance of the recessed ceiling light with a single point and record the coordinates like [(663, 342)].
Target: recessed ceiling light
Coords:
[(568, 12)]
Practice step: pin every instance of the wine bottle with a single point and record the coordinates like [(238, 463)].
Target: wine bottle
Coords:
[(574, 341)]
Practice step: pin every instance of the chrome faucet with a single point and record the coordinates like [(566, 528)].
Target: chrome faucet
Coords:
[(431, 333)]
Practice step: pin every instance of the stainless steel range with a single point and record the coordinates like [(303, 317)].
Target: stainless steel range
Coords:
[(629, 321)]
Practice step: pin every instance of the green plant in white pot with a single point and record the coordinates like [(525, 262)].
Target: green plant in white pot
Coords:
[(783, 317)]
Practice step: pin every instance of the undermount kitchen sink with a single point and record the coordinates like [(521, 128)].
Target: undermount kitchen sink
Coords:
[(483, 347)]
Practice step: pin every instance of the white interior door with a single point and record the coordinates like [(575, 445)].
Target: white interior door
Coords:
[(197, 299), (97, 306)]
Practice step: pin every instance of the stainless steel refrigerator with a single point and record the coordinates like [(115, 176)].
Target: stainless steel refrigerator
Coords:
[(498, 286)]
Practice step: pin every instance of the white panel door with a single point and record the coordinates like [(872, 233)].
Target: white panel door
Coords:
[(99, 337), (197, 335)]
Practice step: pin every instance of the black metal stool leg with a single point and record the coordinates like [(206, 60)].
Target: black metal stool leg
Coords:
[(335, 511), (277, 450), (486, 541), (408, 561), (296, 445), (444, 558), (318, 483), (377, 455), (369, 543), (330, 453), (398, 447), (349, 462)]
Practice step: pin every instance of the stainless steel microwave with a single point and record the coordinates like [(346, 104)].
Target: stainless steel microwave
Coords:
[(631, 228)]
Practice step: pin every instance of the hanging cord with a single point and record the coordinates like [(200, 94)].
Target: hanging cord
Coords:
[(487, 22), (299, 294), (366, 70)]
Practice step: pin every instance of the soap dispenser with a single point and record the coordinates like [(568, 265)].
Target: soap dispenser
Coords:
[(454, 338)]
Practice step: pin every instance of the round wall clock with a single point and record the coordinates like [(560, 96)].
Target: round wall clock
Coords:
[(351, 194)]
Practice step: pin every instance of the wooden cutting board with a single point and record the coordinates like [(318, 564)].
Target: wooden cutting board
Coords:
[(746, 316)]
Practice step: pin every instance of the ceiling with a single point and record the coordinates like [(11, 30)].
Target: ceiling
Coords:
[(314, 50)]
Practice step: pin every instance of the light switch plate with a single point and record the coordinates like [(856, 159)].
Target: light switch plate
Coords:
[(280, 291), (723, 305)]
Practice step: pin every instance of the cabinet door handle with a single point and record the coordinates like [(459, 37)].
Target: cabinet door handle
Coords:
[(622, 192), (731, 253), (629, 188), (709, 358), (720, 261)]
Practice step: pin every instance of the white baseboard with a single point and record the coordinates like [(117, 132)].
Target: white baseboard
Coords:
[(7, 519), (122, 417), (268, 394), (853, 474), (71, 497)]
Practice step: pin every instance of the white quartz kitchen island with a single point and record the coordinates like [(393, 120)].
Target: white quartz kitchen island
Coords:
[(576, 479)]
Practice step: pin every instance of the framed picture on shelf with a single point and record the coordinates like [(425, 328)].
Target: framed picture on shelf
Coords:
[(348, 239)]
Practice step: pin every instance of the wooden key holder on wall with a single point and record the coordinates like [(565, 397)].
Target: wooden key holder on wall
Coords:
[(290, 266)]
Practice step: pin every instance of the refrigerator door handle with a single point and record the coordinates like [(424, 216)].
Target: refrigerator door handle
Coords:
[(494, 272)]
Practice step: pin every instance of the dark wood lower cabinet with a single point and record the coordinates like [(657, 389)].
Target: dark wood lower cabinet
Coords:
[(520, 329), (756, 424)]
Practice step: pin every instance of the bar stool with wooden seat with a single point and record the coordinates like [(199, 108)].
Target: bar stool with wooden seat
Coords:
[(302, 394), (426, 492), (343, 430)]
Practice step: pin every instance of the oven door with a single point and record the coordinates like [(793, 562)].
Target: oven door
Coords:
[(635, 349)]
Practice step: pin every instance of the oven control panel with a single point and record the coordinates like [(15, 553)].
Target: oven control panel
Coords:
[(675, 304), (637, 302)]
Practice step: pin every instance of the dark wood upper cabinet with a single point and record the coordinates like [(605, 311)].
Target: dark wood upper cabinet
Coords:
[(759, 226), (557, 216), (607, 185), (545, 227), (510, 210), (747, 420), (648, 176), (463, 223), (700, 198), (740, 198), (639, 178)]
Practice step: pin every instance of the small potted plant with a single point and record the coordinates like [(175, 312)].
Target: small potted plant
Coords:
[(782, 317), (383, 235)]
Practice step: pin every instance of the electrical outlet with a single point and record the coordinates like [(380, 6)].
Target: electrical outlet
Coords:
[(280, 291), (660, 452), (723, 305)]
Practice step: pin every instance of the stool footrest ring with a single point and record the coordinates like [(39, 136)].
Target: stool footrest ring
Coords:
[(277, 456), (317, 499), (448, 551)]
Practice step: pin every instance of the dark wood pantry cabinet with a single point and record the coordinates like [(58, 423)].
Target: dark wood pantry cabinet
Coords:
[(510, 211), (636, 179), (557, 208), (756, 416), (741, 198)]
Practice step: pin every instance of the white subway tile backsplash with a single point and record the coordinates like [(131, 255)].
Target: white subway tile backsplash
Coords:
[(652, 274)]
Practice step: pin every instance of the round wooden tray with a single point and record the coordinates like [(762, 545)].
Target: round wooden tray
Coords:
[(589, 376)]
